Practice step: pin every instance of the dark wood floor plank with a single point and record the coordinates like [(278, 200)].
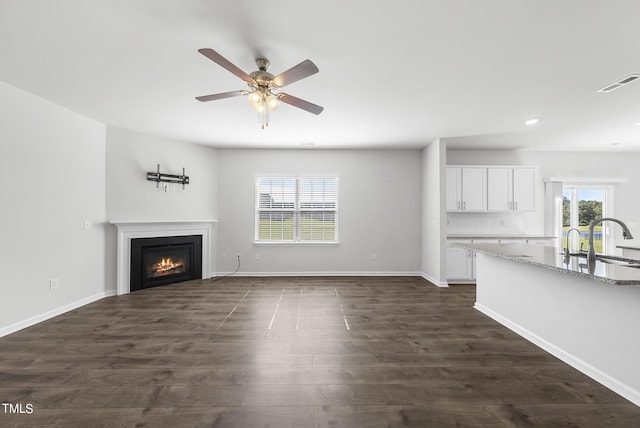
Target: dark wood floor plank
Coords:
[(293, 352), (468, 416), (160, 417)]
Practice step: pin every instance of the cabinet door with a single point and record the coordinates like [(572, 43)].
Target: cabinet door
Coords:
[(454, 188), (474, 189), (459, 264), (499, 189), (524, 189)]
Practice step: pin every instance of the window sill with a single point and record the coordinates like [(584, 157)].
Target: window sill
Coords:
[(296, 243)]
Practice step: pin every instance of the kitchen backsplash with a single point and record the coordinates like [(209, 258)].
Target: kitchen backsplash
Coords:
[(487, 223)]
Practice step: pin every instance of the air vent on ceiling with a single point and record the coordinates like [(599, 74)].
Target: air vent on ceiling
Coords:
[(619, 83)]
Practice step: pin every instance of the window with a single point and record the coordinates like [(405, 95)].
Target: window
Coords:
[(297, 209), (580, 206)]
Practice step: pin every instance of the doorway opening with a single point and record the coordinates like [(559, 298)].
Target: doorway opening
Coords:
[(581, 204)]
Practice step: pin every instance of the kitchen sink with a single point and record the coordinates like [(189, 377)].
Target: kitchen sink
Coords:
[(611, 260), (626, 263)]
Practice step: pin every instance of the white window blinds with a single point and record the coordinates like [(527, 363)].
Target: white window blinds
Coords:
[(297, 209)]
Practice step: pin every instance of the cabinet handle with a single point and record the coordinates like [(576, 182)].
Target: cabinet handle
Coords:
[(464, 205), (458, 204), (516, 205)]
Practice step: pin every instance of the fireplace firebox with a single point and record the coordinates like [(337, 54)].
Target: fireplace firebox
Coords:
[(165, 260)]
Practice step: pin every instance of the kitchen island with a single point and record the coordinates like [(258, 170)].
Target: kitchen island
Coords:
[(588, 319)]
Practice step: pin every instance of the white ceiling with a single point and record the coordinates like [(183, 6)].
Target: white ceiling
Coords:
[(392, 74)]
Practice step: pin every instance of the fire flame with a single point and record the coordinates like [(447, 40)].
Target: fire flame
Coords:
[(166, 264)]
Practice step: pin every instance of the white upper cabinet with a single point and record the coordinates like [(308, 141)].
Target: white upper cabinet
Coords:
[(511, 189), (491, 188), (454, 189), (500, 193), (474, 189), (524, 189), (466, 189)]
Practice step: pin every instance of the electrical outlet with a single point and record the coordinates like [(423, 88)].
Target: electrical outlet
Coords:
[(224, 257), (257, 256), (54, 284), (238, 256), (87, 224)]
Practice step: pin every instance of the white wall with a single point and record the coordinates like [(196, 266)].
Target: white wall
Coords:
[(566, 164), (129, 196), (376, 188), (433, 262), (52, 162)]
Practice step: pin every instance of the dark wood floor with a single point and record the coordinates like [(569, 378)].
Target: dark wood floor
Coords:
[(293, 352)]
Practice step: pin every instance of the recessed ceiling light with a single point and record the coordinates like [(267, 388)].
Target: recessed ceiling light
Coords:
[(532, 121)]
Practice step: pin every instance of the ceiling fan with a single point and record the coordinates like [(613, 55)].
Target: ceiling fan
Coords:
[(264, 87)]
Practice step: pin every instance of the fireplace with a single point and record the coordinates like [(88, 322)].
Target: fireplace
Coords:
[(128, 231), (165, 260)]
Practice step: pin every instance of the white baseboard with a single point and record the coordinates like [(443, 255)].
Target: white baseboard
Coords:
[(4, 331), (434, 281), (306, 273), (338, 273), (610, 382)]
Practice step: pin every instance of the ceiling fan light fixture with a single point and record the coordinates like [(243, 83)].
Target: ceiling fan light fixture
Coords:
[(255, 99), (272, 102), (261, 83)]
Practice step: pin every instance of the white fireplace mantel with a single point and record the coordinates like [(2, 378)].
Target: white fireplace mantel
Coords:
[(128, 230)]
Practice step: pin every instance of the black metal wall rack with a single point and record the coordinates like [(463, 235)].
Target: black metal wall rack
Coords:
[(159, 177)]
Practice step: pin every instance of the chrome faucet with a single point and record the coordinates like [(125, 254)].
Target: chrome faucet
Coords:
[(591, 252), (566, 248)]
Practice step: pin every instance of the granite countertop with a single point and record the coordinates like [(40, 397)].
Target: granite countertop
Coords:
[(495, 236), (552, 258), (628, 247)]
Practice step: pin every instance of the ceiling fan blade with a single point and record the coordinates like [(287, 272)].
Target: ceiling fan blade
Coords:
[(304, 69), (225, 63), (300, 103), (220, 96)]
